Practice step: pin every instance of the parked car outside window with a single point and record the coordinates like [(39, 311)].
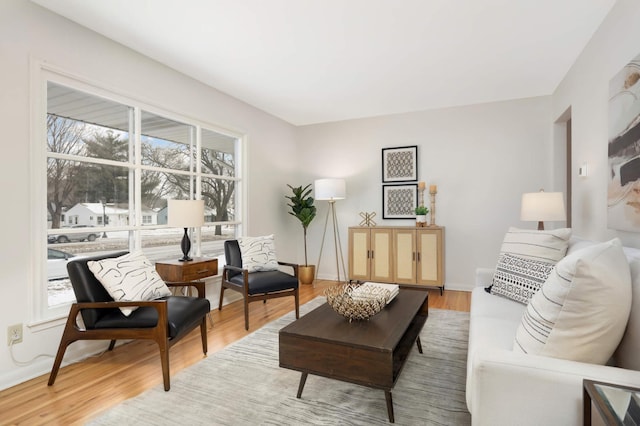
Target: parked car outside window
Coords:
[(57, 263), (63, 237)]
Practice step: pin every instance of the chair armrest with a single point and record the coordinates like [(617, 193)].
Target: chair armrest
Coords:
[(199, 285), (292, 265), (159, 305)]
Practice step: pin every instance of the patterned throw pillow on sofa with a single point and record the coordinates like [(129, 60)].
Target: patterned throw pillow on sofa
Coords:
[(518, 278)]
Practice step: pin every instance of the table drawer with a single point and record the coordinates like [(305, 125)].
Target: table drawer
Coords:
[(199, 270)]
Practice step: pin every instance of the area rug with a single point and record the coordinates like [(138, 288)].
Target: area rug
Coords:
[(243, 385)]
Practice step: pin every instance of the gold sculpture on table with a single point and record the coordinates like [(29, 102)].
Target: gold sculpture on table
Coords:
[(367, 219)]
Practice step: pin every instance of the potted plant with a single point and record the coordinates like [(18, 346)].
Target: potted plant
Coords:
[(421, 216), (303, 209)]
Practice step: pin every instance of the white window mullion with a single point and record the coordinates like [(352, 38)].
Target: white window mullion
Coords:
[(137, 181)]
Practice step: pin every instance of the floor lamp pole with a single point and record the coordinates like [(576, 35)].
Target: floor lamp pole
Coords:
[(336, 240)]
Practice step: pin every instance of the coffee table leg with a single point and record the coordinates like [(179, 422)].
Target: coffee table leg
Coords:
[(303, 380), (387, 395), (419, 344)]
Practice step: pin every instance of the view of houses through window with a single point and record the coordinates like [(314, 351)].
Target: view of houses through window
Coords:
[(108, 182)]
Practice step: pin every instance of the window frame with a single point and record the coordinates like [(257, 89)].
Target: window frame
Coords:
[(41, 315)]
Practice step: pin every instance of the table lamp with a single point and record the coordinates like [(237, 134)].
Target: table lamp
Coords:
[(185, 214), (541, 206)]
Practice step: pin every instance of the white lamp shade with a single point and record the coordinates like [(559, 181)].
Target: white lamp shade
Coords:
[(542, 206), (330, 189), (185, 213)]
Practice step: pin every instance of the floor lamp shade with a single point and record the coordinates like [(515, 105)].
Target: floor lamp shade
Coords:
[(185, 214), (330, 189), (541, 206)]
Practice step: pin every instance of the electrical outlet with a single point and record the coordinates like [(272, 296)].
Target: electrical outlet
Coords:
[(14, 334)]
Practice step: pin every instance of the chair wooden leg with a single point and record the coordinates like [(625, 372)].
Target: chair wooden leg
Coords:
[(221, 296), (59, 356), (203, 334), (112, 345), (297, 297), (246, 313), (164, 360)]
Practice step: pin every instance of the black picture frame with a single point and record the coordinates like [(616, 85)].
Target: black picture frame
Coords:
[(400, 164), (399, 201)]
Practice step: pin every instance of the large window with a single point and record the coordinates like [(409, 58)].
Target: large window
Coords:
[(112, 165)]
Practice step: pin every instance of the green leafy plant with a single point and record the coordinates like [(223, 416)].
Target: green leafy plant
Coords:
[(303, 209), (421, 210)]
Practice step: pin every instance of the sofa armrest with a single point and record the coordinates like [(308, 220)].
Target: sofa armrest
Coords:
[(510, 388), (484, 277)]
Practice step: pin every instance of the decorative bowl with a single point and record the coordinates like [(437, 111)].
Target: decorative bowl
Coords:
[(356, 302)]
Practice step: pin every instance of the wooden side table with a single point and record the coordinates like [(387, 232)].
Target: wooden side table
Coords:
[(191, 270), (615, 404)]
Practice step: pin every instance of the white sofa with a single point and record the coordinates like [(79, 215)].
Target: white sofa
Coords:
[(509, 388)]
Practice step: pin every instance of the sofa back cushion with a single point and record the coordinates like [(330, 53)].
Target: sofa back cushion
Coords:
[(581, 311)]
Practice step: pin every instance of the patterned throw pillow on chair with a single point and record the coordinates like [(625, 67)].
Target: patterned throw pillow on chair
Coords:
[(131, 277), (258, 253), (518, 279)]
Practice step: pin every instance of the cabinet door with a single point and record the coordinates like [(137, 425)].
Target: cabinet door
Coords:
[(381, 255), (405, 256), (430, 257), (359, 249)]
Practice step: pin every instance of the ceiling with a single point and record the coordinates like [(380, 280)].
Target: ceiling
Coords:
[(314, 61)]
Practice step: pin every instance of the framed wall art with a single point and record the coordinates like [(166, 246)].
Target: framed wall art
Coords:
[(399, 201), (623, 198), (400, 164)]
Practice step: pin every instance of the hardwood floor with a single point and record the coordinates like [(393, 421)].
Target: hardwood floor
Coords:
[(84, 389)]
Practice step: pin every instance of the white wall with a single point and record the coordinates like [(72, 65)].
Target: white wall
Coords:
[(585, 89), (27, 33), (482, 157)]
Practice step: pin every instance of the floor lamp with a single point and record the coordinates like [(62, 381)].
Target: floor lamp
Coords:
[(331, 190)]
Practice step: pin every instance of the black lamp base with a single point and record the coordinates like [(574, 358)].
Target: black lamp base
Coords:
[(186, 246)]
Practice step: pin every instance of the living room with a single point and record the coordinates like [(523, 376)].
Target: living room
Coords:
[(482, 157)]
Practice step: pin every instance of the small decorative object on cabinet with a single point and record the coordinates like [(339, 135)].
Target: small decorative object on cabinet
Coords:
[(421, 216), (404, 255)]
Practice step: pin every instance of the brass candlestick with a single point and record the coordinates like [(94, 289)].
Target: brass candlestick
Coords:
[(433, 190)]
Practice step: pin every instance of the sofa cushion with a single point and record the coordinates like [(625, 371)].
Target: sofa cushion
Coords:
[(131, 277), (258, 253), (547, 245), (518, 279), (581, 311)]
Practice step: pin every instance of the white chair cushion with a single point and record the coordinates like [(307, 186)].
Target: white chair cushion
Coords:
[(581, 311)]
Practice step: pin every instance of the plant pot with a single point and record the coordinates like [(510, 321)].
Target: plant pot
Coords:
[(306, 274), (421, 220)]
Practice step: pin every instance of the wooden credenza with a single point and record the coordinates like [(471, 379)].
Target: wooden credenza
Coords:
[(410, 256)]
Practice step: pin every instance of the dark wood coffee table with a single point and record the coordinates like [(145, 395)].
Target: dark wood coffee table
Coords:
[(368, 353)]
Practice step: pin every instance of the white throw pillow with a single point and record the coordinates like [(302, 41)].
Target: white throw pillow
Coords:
[(518, 279), (131, 277), (581, 311), (547, 245), (258, 253)]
